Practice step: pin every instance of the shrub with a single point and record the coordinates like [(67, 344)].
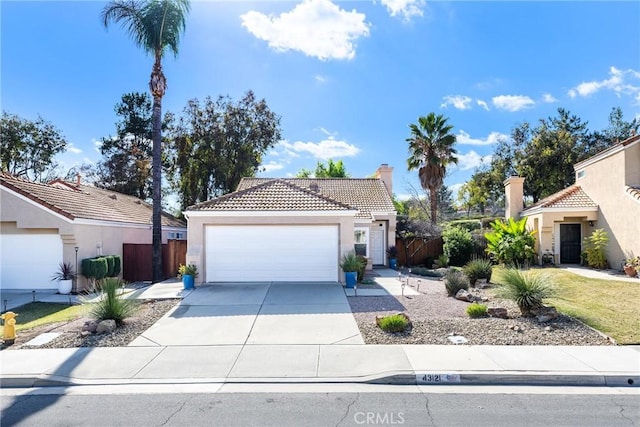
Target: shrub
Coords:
[(595, 249), (95, 269), (393, 323), (442, 261), (510, 242), (527, 290), (478, 268), (455, 280), (477, 310), (362, 268), (467, 224), (421, 271), (111, 305), (117, 265), (458, 245), (110, 265), (479, 245), (349, 262)]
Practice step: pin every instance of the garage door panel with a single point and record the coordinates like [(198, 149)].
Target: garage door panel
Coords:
[(29, 260), (272, 253)]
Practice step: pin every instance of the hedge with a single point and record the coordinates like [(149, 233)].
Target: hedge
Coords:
[(100, 267)]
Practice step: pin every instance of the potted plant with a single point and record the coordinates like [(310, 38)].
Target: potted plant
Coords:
[(188, 273), (350, 264), (632, 266), (393, 257), (64, 276)]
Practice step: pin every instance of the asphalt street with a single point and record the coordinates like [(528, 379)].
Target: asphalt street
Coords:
[(255, 405)]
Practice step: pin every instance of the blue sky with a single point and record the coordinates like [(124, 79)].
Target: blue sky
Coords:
[(346, 77)]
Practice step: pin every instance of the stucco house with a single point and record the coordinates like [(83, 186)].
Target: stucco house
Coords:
[(291, 229), (41, 225), (606, 194)]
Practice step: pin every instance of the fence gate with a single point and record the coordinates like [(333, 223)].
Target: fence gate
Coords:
[(137, 260)]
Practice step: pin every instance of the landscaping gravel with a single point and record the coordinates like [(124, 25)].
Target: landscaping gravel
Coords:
[(435, 317), (149, 312)]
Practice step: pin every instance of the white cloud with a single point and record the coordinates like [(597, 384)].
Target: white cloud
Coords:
[(320, 79), (455, 188), (464, 138), (272, 166), (548, 98), (406, 8), (97, 144), (329, 148), (483, 104), (459, 102), (318, 28), (472, 160), (72, 148), (618, 82), (512, 103)]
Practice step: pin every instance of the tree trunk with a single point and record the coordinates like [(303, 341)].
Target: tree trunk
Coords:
[(158, 87), (433, 193)]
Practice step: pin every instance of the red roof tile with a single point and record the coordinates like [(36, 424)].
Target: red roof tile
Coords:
[(571, 197)]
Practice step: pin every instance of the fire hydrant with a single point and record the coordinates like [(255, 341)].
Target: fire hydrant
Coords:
[(9, 327)]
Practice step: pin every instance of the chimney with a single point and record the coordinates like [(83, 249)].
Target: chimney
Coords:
[(78, 179), (513, 196), (385, 173)]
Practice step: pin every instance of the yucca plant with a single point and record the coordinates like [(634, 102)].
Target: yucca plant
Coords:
[(527, 290), (111, 305), (454, 281), (478, 268)]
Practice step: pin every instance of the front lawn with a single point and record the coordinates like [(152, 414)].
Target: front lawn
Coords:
[(41, 313), (606, 305)]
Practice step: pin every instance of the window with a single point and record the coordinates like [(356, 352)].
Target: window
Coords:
[(361, 241), (580, 174)]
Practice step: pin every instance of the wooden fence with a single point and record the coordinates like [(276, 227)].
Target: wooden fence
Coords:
[(137, 260), (416, 250)]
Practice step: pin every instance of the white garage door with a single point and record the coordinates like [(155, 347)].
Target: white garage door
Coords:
[(28, 261), (272, 253)]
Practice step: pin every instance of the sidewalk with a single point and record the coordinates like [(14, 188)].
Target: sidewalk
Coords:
[(390, 364)]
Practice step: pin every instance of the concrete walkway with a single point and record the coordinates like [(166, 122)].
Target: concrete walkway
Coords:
[(600, 274), (392, 364)]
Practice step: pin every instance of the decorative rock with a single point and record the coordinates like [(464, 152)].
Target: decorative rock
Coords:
[(548, 329), (545, 314), (497, 312), (463, 295), (90, 326), (481, 283), (106, 326), (85, 334)]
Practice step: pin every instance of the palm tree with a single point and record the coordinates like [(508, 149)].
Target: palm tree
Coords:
[(154, 25), (431, 150)]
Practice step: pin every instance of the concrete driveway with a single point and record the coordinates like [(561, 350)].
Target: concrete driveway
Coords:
[(257, 313)]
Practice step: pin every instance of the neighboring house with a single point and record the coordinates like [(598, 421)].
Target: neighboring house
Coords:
[(606, 195), (41, 225), (291, 229)]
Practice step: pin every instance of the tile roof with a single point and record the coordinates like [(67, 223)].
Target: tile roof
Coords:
[(633, 191), (272, 195), (571, 197), (86, 202), (367, 195)]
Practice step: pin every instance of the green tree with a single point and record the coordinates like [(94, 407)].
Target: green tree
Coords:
[(28, 148), (216, 143), (155, 26), (126, 164), (431, 151), (473, 194), (330, 170)]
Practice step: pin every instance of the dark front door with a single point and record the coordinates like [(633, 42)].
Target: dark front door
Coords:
[(570, 239)]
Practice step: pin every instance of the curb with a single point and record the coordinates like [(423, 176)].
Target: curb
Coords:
[(400, 378)]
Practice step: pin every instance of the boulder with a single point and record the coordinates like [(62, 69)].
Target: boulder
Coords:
[(106, 326), (466, 296), (90, 326), (497, 312), (545, 314), (481, 283)]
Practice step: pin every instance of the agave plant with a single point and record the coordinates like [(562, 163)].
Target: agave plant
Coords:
[(527, 290)]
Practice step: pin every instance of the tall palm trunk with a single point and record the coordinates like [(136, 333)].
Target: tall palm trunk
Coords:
[(433, 194), (158, 86)]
